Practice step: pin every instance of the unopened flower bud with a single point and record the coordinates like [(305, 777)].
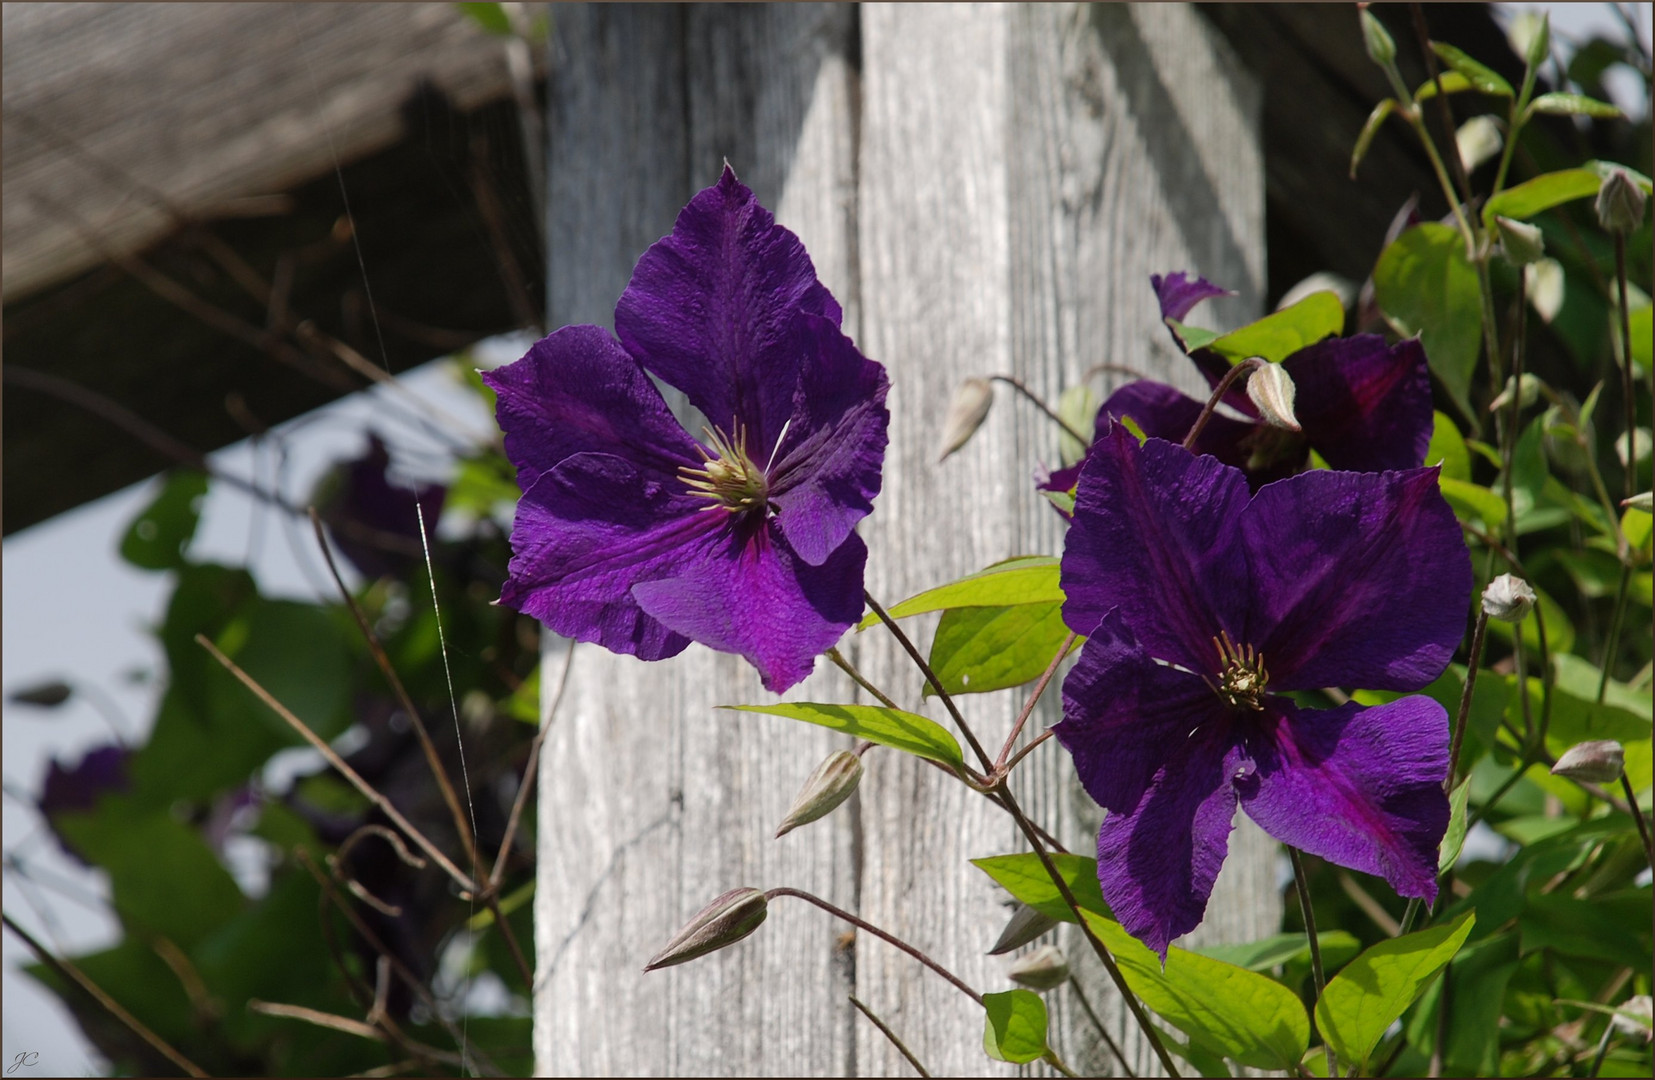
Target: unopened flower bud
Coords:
[(1620, 202), (1636, 1017), (1271, 389), (1530, 37), (1042, 969), (1644, 501), (1380, 45), (1477, 140), (1025, 925), (1508, 598), (1528, 392), (1523, 243), (723, 922), (966, 414), (1599, 761), (1641, 443), (831, 784), (1544, 281), (46, 695)]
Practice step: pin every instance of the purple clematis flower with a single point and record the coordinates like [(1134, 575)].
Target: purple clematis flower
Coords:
[(1199, 601), (633, 534)]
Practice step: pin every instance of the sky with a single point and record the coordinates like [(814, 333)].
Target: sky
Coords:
[(73, 610)]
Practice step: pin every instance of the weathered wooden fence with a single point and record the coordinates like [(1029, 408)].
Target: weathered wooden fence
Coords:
[(986, 189)]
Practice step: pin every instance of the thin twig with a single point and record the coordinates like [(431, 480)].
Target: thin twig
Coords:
[(1638, 816), (883, 935), (1103, 1031), (1033, 745), (1463, 719), (1230, 377), (931, 677), (338, 763), (1021, 388), (856, 676), (67, 970), (1000, 765), (891, 1035), (1315, 944)]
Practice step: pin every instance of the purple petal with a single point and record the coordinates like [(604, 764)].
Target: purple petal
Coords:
[(746, 592), (1359, 787), (1157, 863), (1154, 533), (578, 391), (1365, 406), (1122, 710), (710, 310), (827, 468), (1162, 412), (586, 533), (1178, 295), (1359, 579)]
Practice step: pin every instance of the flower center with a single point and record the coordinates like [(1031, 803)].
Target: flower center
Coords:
[(728, 476), (1242, 680)]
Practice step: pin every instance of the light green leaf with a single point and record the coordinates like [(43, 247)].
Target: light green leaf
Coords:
[(1015, 1026), (1377, 987), (1425, 285), (157, 537), (1376, 120), (899, 730), (1448, 448), (1026, 879), (1602, 169), (1283, 333), (1078, 407), (1267, 954), (1452, 83), (1473, 501), (1027, 579), (978, 649), (1481, 77), (1454, 840), (1572, 105), (1227, 1009), (1541, 193), (1643, 331), (491, 17), (1192, 337)]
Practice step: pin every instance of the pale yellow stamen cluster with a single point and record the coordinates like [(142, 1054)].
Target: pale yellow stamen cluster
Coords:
[(728, 476), (1244, 678)]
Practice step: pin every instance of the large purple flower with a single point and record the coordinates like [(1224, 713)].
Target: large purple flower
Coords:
[(633, 534), (1197, 597)]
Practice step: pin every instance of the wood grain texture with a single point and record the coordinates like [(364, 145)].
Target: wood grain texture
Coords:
[(202, 103), (989, 195)]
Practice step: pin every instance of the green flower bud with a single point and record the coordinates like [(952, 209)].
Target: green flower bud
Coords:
[(1043, 969), (723, 922), (1025, 925), (1543, 281), (1477, 140), (966, 414), (1620, 202), (1378, 40), (1508, 598), (1271, 389), (1522, 243), (1598, 762), (831, 784), (1644, 501), (1528, 392)]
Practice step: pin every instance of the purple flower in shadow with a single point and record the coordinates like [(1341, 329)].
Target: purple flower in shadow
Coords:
[(374, 522), (633, 534), (1200, 601), (101, 771)]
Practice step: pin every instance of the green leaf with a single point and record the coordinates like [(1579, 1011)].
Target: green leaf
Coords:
[(1191, 337), (157, 537), (1541, 193), (1026, 879), (1572, 105), (1478, 980), (1612, 927), (162, 876), (1452, 83), (524, 702), (1425, 285), (1577, 717), (1473, 501), (1015, 1026), (1643, 331), (1267, 954), (1602, 169), (1283, 333), (888, 727), (1227, 1009), (1376, 120), (1448, 448), (1482, 78), (1377, 987), (491, 17), (979, 649), (1027, 579), (1454, 839), (1078, 407)]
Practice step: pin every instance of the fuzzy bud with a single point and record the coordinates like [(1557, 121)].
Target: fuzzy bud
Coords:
[(46, 695), (1522, 243), (966, 414), (1025, 925), (1620, 202), (831, 784), (1599, 761), (1043, 969), (1544, 282), (1508, 598), (1644, 501), (1528, 392), (1477, 140), (723, 922), (1380, 45), (1271, 389)]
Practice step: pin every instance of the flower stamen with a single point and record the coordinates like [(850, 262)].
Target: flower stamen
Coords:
[(729, 477), (1242, 681)]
